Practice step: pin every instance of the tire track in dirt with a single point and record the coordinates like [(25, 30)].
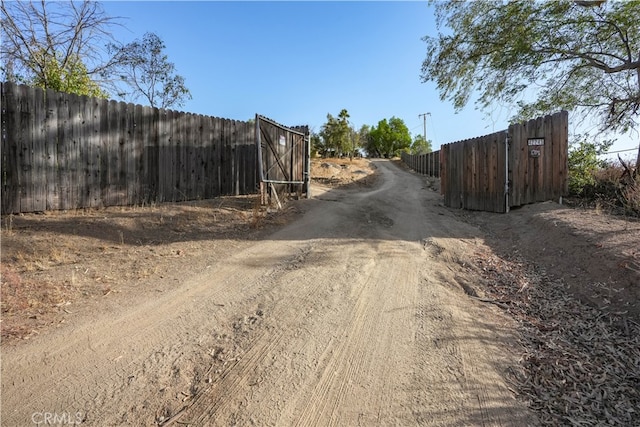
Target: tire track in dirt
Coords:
[(116, 358), (348, 316)]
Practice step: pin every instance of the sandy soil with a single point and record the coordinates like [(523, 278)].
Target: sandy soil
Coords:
[(366, 305)]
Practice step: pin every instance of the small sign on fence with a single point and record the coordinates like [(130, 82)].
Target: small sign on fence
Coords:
[(535, 141), (534, 153)]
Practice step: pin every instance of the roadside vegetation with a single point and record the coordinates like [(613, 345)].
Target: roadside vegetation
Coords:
[(612, 186)]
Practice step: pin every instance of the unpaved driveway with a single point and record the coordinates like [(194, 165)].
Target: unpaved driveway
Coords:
[(354, 314)]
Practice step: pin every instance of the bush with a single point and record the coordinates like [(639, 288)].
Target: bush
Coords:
[(612, 185), (583, 164)]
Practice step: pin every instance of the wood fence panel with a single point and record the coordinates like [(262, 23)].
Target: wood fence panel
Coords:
[(93, 190), (540, 175), (123, 155), (216, 157), (193, 145), (129, 155), (103, 141), (500, 181), (164, 157), (27, 127), (189, 143), (51, 153), (140, 155), (517, 164), (547, 162), (198, 172), (63, 178), (235, 176), (466, 178), (226, 159), (486, 169), (85, 179), (181, 158), (444, 173), (63, 151), (112, 151), (39, 171), (71, 152), (208, 165), (152, 150)]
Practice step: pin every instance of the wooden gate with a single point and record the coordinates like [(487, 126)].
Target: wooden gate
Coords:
[(525, 164), (283, 155)]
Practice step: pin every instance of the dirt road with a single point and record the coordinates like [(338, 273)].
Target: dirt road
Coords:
[(355, 314)]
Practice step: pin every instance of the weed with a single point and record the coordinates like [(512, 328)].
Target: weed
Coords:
[(8, 223)]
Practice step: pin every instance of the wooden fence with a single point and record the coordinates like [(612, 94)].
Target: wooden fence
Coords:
[(473, 173), (62, 151), (425, 164), (525, 164), (283, 157)]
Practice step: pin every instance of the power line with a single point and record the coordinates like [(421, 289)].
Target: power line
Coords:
[(620, 151)]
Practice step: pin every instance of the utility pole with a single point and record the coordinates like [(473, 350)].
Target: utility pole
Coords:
[(424, 123)]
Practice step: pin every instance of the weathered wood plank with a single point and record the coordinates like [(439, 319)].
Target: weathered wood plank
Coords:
[(39, 171), (10, 176), (92, 116), (103, 136), (150, 140), (179, 159)]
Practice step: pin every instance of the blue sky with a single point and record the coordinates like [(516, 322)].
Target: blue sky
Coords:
[(297, 61)]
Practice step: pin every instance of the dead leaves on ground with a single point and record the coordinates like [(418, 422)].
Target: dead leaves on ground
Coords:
[(580, 366)]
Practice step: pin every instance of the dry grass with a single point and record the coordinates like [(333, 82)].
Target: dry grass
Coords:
[(27, 305), (615, 191), (59, 257)]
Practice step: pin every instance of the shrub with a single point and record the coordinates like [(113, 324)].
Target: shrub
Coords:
[(613, 186), (584, 163)]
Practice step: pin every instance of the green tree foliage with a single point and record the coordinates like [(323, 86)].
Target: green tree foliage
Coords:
[(317, 145), (146, 72), (363, 138), (584, 163), (560, 54), (55, 45), (388, 138), (72, 77), (420, 145), (337, 136)]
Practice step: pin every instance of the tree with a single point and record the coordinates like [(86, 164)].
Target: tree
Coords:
[(146, 71), (70, 78), (560, 54), (390, 137), (364, 137), (317, 145), (55, 45), (337, 135), (420, 145)]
